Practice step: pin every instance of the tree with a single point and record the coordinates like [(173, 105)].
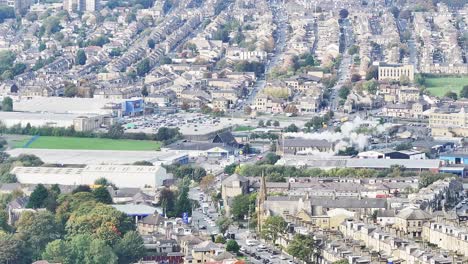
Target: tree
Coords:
[(70, 90), (344, 13), (344, 92), (130, 248), (57, 251), (7, 104), (151, 43), (292, 128), (12, 250), (464, 92), (223, 223), (207, 181), (81, 188), (81, 57), (100, 252), (276, 123), (355, 77), (240, 206), (273, 227), (232, 246), (230, 169), (451, 95), (102, 195), (37, 230), (143, 67), (36, 200), (303, 247), (371, 86), (167, 202), (183, 204), (372, 73), (144, 91), (247, 110), (100, 221), (220, 239), (291, 109), (143, 163), (268, 123), (261, 123), (353, 50), (116, 131), (343, 261)]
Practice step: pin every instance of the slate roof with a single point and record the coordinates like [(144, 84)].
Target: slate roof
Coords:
[(302, 142), (326, 202), (410, 213)]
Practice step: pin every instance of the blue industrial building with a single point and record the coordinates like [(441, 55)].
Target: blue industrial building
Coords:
[(133, 107), (455, 158)]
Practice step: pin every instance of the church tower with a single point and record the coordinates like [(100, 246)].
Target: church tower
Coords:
[(261, 208)]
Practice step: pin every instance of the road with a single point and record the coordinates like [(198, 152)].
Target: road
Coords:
[(344, 68), (280, 19)]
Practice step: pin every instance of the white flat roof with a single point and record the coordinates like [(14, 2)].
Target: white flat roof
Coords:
[(64, 105), (97, 157), (120, 175)]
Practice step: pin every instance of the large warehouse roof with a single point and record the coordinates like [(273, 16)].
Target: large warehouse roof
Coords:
[(65, 105), (120, 175), (95, 157)]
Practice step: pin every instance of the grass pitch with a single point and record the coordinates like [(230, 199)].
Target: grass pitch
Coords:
[(439, 86), (48, 142)]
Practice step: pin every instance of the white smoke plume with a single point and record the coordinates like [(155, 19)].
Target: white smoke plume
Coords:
[(348, 137)]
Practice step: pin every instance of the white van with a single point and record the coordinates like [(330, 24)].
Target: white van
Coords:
[(251, 242)]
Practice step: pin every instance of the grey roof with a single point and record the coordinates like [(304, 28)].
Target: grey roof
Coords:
[(386, 213), (456, 154), (387, 163), (302, 142), (153, 219), (326, 202), (18, 203), (410, 213), (135, 209), (234, 177), (193, 145)]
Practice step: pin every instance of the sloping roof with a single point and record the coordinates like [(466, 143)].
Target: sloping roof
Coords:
[(411, 213), (326, 202), (135, 209), (301, 142), (234, 177), (153, 219), (226, 138)]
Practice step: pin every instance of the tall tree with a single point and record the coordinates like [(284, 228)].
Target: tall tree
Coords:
[(143, 67), (7, 104), (102, 195), (232, 246), (130, 248), (81, 57), (303, 247), (57, 251), (273, 227), (12, 250), (464, 92), (38, 196), (183, 204), (37, 230), (100, 252)]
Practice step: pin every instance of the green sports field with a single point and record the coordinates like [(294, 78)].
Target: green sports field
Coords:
[(45, 142), (439, 86)]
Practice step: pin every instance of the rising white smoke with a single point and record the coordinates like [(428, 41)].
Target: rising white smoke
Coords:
[(348, 137)]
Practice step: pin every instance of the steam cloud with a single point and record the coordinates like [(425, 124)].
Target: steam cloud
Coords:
[(348, 137)]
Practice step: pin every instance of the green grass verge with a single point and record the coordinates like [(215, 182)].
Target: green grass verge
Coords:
[(46, 142), (19, 143), (243, 128), (439, 86)]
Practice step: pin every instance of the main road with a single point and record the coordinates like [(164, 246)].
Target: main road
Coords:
[(343, 73)]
